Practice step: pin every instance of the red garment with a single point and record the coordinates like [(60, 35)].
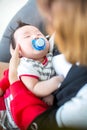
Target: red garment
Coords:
[(2, 103), (4, 84), (25, 106)]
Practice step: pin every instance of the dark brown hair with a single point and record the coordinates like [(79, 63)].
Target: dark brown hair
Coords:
[(20, 24)]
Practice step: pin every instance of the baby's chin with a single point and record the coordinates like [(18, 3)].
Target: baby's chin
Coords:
[(35, 54), (41, 52)]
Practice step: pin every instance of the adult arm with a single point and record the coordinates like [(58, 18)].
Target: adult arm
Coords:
[(74, 112)]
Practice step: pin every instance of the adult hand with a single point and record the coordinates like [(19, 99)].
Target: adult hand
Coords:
[(13, 65)]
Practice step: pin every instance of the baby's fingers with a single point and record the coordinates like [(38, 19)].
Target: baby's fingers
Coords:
[(14, 61), (16, 52)]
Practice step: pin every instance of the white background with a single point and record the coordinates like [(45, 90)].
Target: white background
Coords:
[(8, 9)]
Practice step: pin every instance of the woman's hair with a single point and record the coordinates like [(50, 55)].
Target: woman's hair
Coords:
[(20, 24), (69, 19)]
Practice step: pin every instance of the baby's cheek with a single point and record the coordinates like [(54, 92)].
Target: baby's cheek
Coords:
[(48, 45)]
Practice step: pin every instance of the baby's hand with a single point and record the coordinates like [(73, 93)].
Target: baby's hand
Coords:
[(61, 78), (49, 100), (57, 80)]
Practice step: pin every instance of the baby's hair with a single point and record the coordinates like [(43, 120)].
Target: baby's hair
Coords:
[(20, 24)]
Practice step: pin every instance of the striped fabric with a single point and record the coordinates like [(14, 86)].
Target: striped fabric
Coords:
[(6, 120), (42, 71), (12, 124)]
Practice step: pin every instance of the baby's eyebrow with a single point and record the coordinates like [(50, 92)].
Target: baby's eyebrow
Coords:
[(26, 33)]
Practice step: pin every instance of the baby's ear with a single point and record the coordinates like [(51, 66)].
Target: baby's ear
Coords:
[(51, 41)]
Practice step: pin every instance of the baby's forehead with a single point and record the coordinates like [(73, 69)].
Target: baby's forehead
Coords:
[(31, 28), (27, 29)]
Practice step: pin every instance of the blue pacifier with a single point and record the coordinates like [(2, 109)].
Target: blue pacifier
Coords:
[(39, 44)]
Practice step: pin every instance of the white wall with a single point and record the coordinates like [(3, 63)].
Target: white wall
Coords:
[(8, 9)]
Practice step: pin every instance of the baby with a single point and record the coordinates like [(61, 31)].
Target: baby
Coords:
[(35, 69)]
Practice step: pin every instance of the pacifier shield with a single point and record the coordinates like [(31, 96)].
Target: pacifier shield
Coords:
[(39, 44)]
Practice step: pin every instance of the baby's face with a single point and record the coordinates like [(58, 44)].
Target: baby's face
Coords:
[(24, 37)]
